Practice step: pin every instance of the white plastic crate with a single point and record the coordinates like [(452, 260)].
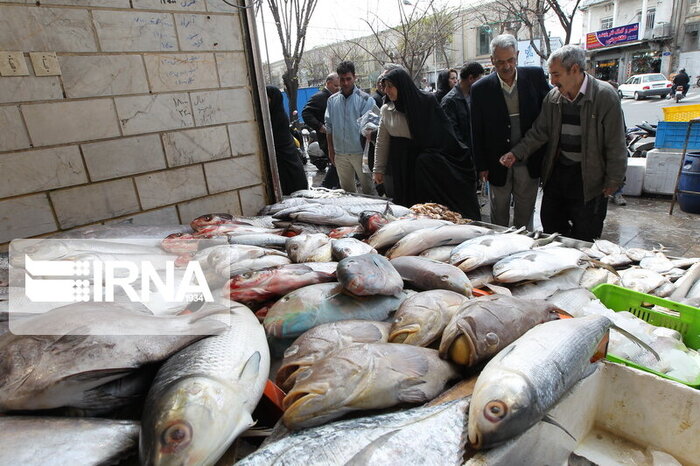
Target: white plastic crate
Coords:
[(662, 171), (634, 177)]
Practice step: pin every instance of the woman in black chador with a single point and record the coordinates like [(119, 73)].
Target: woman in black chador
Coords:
[(289, 166), (417, 147)]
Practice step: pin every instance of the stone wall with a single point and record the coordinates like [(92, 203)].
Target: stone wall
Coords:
[(152, 117)]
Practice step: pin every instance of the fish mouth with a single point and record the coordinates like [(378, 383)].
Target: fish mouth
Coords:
[(403, 334), (296, 398), (462, 351), (475, 440), (286, 376)]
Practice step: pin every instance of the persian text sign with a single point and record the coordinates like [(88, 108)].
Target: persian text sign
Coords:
[(612, 36)]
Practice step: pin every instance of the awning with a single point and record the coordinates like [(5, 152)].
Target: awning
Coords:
[(614, 47)]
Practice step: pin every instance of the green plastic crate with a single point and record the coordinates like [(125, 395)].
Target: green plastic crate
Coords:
[(682, 318)]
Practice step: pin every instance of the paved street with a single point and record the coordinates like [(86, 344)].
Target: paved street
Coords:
[(650, 109)]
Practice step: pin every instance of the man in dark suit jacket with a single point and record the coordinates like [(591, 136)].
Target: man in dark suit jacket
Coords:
[(314, 113), (504, 106), (457, 102)]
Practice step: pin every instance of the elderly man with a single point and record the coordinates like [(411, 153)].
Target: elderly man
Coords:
[(345, 144), (583, 126), (504, 106)]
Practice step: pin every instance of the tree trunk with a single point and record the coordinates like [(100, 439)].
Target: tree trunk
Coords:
[(291, 86)]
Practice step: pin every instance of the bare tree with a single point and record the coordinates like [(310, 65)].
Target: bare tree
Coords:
[(420, 33), (291, 20), (565, 15)]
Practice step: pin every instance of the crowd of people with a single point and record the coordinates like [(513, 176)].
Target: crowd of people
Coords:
[(510, 129)]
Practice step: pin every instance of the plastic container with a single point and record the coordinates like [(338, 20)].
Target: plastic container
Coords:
[(671, 135), (662, 170), (681, 112), (690, 181), (634, 178), (680, 317)]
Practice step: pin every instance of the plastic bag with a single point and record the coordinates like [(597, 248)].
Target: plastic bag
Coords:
[(369, 122)]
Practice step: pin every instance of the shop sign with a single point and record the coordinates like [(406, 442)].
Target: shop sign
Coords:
[(612, 36)]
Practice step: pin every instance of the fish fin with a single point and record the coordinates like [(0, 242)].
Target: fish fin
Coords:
[(603, 265), (519, 230), (539, 242), (412, 395), (550, 420), (365, 455), (637, 341), (502, 290), (251, 368)]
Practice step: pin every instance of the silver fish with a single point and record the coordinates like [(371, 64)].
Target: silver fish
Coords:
[(316, 343), (642, 280), (617, 260), (637, 254), (284, 204), (39, 441), (263, 240), (608, 247), (664, 290), (423, 435), (392, 232), (232, 253), (684, 283), (321, 215), (481, 276), (346, 380), (542, 289), (488, 249), (536, 264), (368, 275), (426, 274), (593, 276), (524, 381), (227, 270), (418, 241), (439, 253), (355, 205), (309, 248), (422, 318), (657, 263), (346, 247), (203, 397)]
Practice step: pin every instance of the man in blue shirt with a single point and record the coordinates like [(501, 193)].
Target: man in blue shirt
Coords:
[(343, 130)]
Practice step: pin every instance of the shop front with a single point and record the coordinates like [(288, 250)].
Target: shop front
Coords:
[(607, 69)]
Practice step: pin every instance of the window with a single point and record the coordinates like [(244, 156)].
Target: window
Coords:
[(654, 77), (651, 14), (606, 23), (484, 40)]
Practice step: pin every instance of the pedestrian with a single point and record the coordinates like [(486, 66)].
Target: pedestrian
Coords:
[(345, 143), (457, 102), (289, 167), (378, 95), (446, 81), (425, 86), (582, 126), (313, 113), (417, 146), (504, 106)]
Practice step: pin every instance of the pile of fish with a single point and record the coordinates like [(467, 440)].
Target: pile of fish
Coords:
[(371, 305)]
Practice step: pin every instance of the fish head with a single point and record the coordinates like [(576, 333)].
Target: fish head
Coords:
[(322, 392), (210, 219), (42, 250), (184, 425), (251, 279), (468, 260), (372, 221), (416, 326), (501, 407), (180, 243)]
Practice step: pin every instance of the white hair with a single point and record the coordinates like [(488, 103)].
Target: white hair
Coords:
[(504, 41), (568, 56)]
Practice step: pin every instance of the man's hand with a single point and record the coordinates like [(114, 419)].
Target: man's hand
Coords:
[(508, 160), (378, 178), (322, 129), (607, 192), (484, 175)]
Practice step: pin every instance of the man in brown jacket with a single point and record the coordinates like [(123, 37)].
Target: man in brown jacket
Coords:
[(585, 161)]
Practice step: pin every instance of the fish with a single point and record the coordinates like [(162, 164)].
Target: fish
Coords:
[(259, 286), (664, 290), (641, 280), (593, 276), (355, 205), (488, 249), (426, 274), (365, 376), (542, 289), (637, 254), (123, 231), (439, 253), (55, 359), (325, 215), (617, 260), (608, 247), (39, 441), (657, 263), (220, 256), (203, 397), (392, 232), (422, 435), (250, 265), (297, 228), (347, 247), (313, 305), (536, 264), (316, 343), (309, 248), (263, 240), (422, 318), (346, 232), (369, 275), (444, 235), (522, 383), (57, 249), (481, 277), (284, 204), (372, 221), (683, 284), (323, 267), (484, 326), (221, 219)]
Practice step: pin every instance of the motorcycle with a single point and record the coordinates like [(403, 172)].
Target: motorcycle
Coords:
[(679, 93), (640, 139)]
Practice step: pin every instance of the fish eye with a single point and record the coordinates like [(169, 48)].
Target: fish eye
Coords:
[(495, 410), (177, 435), (444, 278), (247, 274), (208, 218)]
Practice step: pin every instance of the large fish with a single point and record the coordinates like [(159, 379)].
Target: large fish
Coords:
[(368, 275), (309, 248), (421, 318), (203, 397), (325, 215), (259, 286), (484, 326), (232, 253), (488, 249), (523, 382), (445, 235), (642, 280), (40, 441), (81, 349), (355, 205), (347, 247), (263, 240), (390, 233), (316, 343), (536, 264), (427, 274), (423, 435), (372, 221), (314, 305), (227, 270), (365, 376), (439, 253), (220, 219)]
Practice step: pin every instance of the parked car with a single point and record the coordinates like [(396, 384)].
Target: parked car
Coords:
[(641, 86)]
